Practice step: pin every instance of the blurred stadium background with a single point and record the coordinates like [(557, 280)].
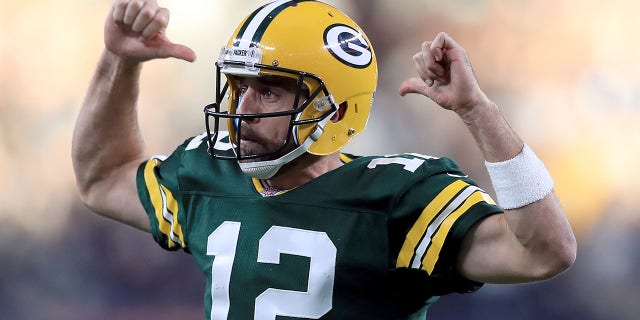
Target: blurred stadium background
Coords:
[(565, 73)]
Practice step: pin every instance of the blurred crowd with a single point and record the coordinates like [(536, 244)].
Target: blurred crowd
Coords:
[(563, 71)]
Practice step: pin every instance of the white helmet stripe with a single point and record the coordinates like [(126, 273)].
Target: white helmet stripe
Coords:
[(254, 25)]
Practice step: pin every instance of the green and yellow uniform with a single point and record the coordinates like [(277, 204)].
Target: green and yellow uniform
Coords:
[(376, 238)]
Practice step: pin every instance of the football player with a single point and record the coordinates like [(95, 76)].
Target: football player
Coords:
[(281, 222)]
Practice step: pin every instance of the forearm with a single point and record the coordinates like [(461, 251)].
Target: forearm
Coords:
[(107, 135), (531, 242), (545, 234), (492, 133), (539, 226)]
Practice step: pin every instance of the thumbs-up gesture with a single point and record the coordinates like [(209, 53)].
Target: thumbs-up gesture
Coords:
[(135, 30), (445, 76)]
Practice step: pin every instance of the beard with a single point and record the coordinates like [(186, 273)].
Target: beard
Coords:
[(253, 144)]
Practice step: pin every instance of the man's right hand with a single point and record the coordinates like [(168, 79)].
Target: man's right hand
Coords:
[(135, 31)]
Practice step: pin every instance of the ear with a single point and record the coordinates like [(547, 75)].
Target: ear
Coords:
[(340, 113)]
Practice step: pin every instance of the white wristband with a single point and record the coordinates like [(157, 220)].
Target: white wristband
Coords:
[(521, 180)]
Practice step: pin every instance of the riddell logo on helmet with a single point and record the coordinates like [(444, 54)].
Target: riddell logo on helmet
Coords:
[(348, 45), (240, 52)]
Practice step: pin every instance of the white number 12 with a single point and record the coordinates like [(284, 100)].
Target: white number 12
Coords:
[(312, 304)]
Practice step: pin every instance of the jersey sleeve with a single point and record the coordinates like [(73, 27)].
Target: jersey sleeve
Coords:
[(159, 192), (434, 214)]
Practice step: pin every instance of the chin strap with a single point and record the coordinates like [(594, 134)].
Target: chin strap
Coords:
[(267, 169)]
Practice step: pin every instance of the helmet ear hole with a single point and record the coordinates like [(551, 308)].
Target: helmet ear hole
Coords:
[(342, 110)]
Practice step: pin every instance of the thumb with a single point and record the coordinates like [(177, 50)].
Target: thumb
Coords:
[(413, 85), (178, 51)]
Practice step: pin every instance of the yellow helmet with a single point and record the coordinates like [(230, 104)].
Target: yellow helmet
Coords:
[(324, 50)]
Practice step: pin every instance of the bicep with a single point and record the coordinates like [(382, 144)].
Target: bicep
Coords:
[(531, 243), (491, 253), (115, 196)]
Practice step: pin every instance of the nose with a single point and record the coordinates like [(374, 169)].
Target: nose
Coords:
[(247, 105)]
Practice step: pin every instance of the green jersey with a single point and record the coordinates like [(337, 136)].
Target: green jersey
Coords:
[(376, 238)]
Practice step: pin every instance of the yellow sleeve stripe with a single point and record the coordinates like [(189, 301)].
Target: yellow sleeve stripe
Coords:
[(165, 206), (424, 241), (433, 253), (429, 213)]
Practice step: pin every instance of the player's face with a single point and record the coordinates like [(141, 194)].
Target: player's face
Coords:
[(262, 95)]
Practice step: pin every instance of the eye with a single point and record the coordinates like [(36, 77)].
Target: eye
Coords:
[(269, 95), (241, 90)]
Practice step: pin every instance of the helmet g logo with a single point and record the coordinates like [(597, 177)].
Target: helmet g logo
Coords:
[(348, 45)]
